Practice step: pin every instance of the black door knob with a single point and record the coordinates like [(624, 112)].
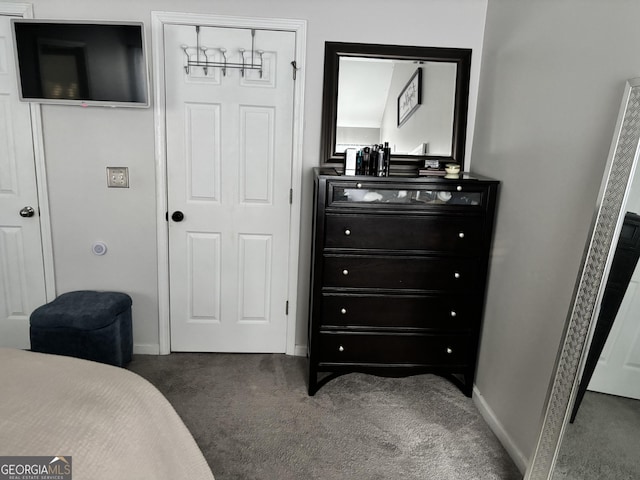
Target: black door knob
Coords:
[(27, 212), (177, 216)]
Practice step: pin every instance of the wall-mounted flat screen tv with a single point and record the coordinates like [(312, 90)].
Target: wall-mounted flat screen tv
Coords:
[(81, 63)]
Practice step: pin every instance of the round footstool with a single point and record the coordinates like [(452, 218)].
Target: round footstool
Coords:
[(85, 324)]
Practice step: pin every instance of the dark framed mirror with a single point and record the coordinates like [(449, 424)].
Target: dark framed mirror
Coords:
[(414, 98)]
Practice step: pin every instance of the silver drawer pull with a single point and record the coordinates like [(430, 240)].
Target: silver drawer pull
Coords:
[(358, 185), (345, 272), (459, 188), (341, 348), (455, 275), (343, 311), (461, 235), (453, 313), (347, 232), (449, 351)]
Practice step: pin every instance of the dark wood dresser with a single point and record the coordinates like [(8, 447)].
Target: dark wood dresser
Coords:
[(399, 268)]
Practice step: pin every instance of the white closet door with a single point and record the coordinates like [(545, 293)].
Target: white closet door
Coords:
[(229, 153)]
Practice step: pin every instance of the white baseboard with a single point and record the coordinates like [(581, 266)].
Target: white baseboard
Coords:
[(154, 349), (300, 351), (514, 452), (146, 349)]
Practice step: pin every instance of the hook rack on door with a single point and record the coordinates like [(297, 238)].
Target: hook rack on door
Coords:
[(205, 63)]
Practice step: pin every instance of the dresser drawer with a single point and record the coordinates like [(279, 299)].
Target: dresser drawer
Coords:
[(434, 196), (442, 312), (404, 232), (394, 272), (410, 349)]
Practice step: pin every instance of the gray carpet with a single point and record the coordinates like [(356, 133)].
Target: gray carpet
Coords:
[(253, 419), (603, 442)]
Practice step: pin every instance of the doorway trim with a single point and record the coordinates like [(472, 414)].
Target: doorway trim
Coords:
[(299, 27), (25, 10)]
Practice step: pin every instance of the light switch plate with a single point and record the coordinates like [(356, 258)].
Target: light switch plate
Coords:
[(118, 177)]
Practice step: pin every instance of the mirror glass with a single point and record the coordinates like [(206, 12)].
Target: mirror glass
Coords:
[(414, 98), (615, 228), (369, 97), (603, 435)]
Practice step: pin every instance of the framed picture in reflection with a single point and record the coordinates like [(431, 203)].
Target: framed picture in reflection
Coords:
[(410, 97)]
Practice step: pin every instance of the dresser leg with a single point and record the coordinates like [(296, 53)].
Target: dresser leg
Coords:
[(468, 384), (312, 378), (313, 384), (468, 389), (464, 381), (316, 383)]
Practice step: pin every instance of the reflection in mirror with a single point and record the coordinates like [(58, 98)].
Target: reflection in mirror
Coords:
[(367, 112), (414, 98), (603, 435), (614, 369), (590, 287)]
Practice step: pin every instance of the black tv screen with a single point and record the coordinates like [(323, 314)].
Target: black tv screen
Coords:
[(89, 63)]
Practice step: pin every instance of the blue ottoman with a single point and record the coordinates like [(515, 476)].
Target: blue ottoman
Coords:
[(85, 324)]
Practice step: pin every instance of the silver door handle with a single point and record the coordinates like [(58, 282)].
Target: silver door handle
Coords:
[(27, 212)]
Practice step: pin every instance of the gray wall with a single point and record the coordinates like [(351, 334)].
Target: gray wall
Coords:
[(356, 136), (80, 143), (552, 78), (434, 115), (551, 82)]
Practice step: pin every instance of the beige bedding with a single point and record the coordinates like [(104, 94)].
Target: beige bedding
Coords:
[(113, 423)]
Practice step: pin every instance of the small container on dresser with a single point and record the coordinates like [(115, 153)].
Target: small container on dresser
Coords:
[(399, 268)]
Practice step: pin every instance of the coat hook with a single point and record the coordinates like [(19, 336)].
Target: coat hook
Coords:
[(224, 57), (184, 49), (206, 59), (260, 54), (242, 57), (210, 61), (294, 64)]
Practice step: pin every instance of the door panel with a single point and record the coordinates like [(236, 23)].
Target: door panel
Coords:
[(254, 285), (22, 286), (203, 151), (256, 154), (204, 276), (229, 152)]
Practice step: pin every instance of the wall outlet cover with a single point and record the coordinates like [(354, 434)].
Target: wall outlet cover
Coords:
[(118, 177)]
